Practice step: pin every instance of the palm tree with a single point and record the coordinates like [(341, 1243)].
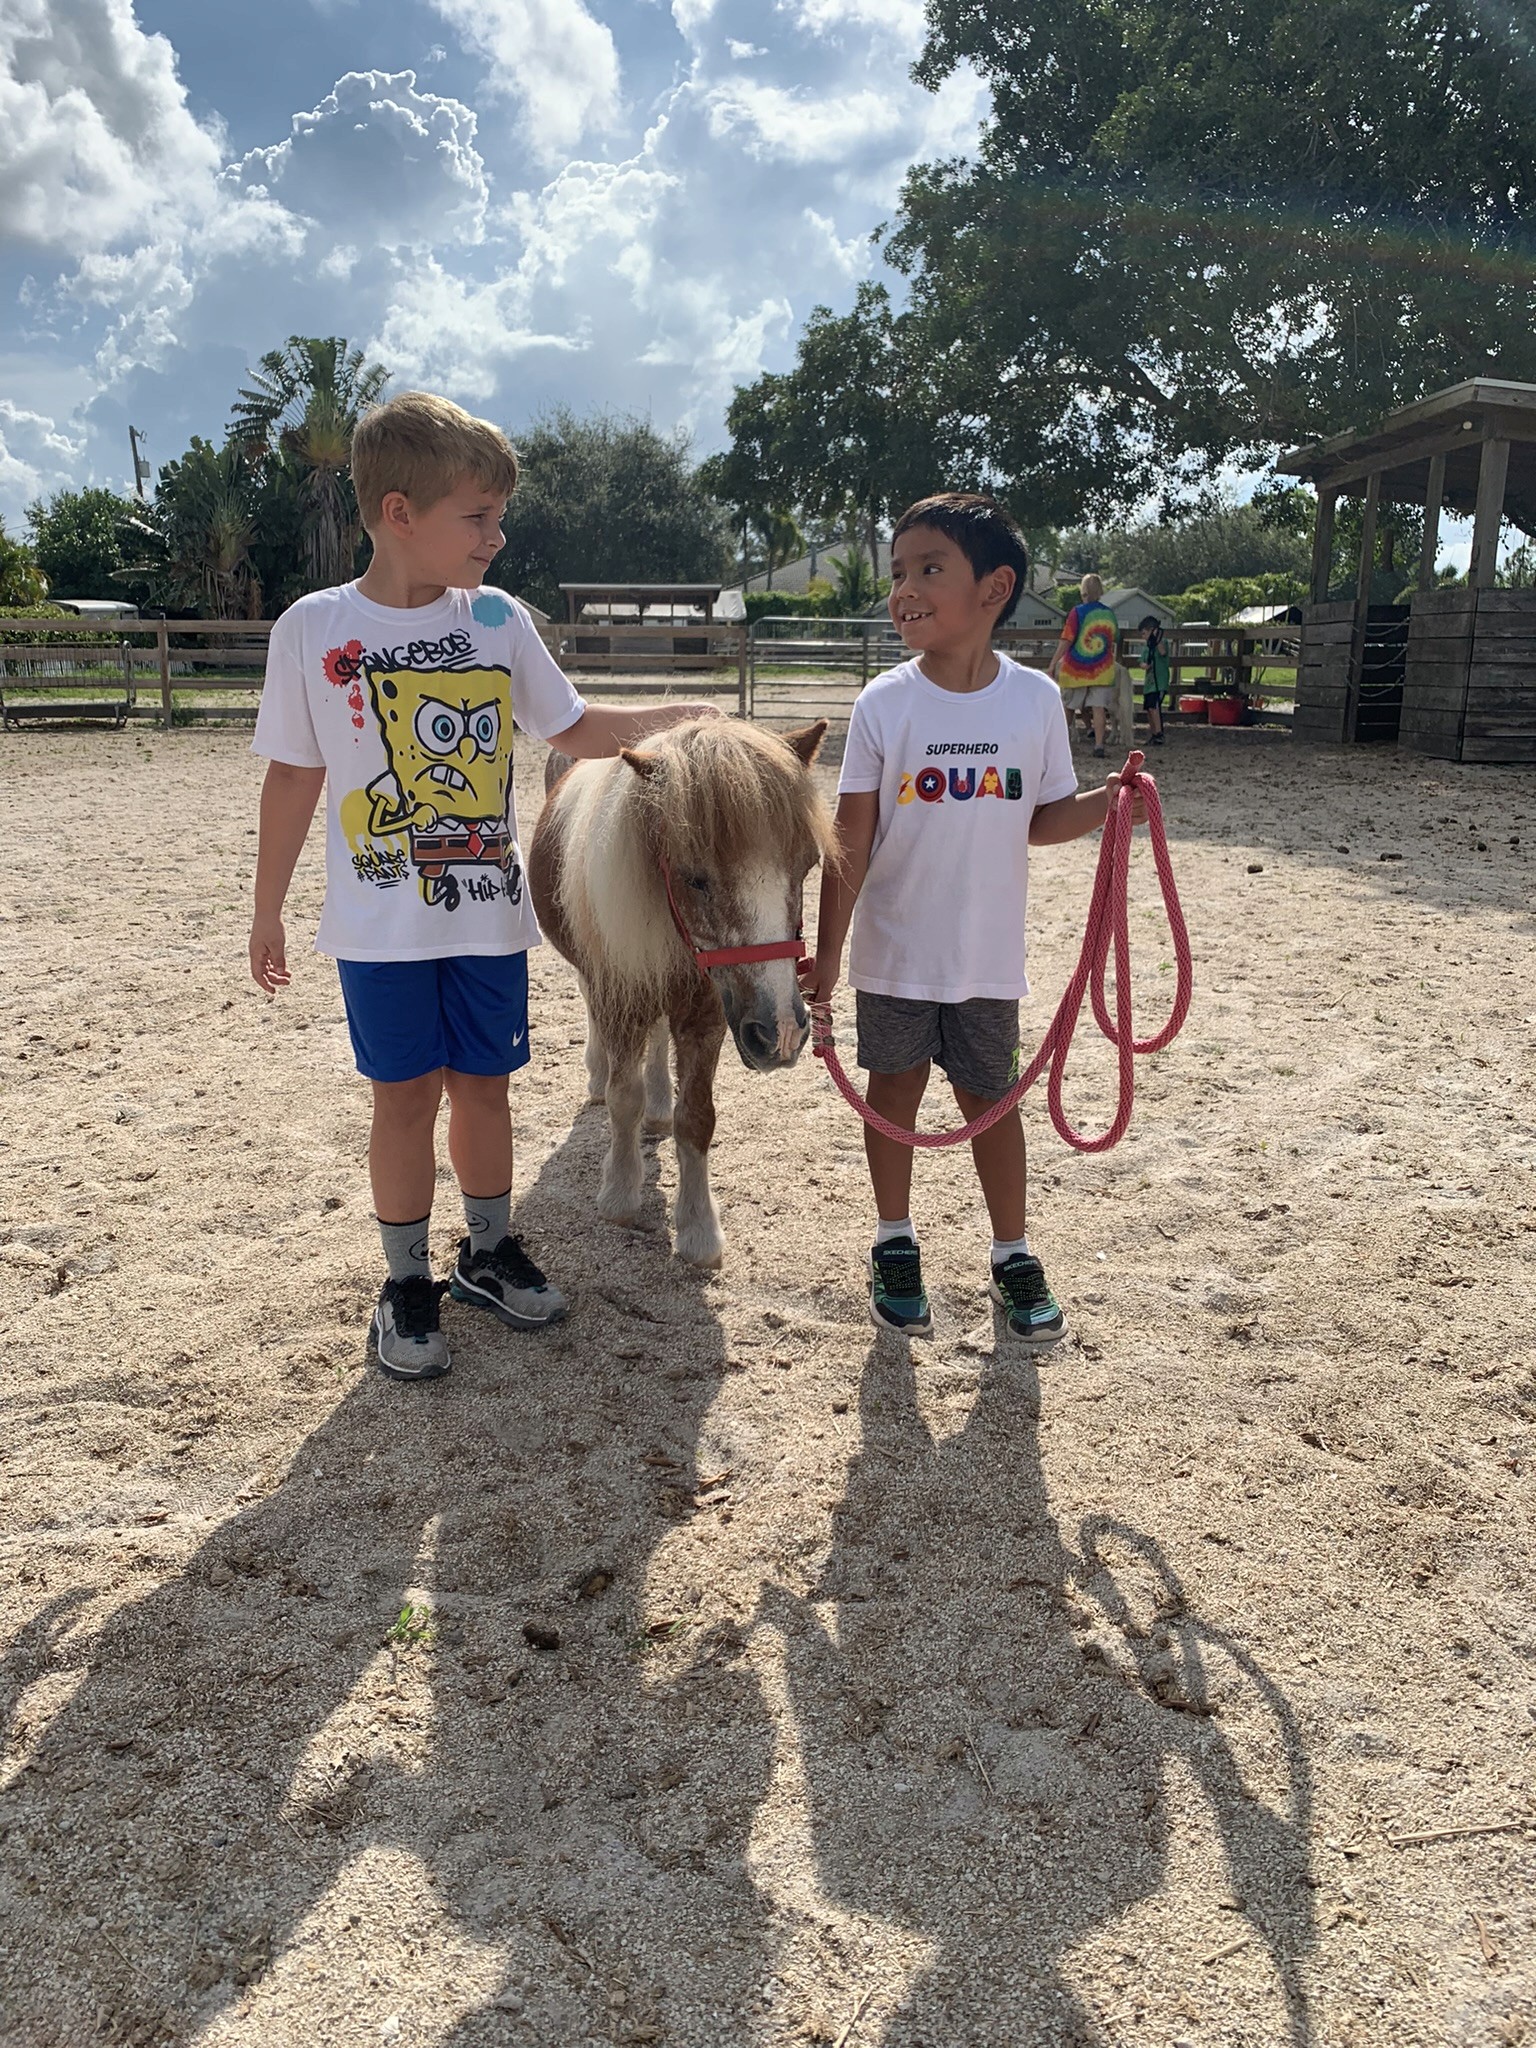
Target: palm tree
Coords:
[(198, 534), (303, 401)]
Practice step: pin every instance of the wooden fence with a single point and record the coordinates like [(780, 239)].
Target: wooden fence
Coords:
[(138, 668)]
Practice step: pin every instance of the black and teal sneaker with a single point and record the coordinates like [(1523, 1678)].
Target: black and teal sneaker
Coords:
[(897, 1298), (1034, 1315)]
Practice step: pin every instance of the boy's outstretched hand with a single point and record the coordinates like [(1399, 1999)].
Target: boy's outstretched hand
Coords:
[(269, 954)]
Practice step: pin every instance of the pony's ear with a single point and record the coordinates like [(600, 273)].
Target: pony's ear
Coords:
[(807, 741), (644, 765)]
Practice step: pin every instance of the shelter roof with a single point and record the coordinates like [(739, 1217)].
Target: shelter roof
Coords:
[(644, 593), (1453, 423)]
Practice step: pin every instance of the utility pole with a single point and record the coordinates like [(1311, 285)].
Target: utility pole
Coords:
[(140, 462)]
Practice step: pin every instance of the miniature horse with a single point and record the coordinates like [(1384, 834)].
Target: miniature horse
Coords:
[(732, 813)]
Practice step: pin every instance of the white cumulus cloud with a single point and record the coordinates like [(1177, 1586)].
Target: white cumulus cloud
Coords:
[(551, 58), (390, 164), (96, 139), (36, 456)]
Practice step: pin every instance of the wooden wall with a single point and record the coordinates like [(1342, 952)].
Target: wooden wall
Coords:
[(1323, 677), (1470, 689)]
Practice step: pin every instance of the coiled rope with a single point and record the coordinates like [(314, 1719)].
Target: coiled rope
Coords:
[(1108, 924)]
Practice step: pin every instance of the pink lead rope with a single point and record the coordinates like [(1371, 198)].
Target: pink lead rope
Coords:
[(1108, 918)]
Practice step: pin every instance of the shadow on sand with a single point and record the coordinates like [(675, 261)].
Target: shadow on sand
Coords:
[(217, 1815), (987, 1719)]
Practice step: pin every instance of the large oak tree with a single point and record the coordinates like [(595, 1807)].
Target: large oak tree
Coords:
[(1193, 233)]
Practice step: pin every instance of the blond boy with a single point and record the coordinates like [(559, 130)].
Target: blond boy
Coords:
[(397, 694)]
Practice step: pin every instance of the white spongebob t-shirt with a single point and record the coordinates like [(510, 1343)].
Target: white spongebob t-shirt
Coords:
[(410, 715), (940, 917)]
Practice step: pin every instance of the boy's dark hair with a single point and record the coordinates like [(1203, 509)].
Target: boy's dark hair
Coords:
[(981, 529)]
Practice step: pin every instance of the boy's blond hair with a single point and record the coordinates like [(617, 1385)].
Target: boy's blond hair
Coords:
[(426, 447), (1091, 588)]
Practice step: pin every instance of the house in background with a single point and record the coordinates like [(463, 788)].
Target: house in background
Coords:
[(1131, 604)]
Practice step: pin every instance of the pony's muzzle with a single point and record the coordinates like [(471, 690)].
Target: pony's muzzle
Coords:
[(772, 1038)]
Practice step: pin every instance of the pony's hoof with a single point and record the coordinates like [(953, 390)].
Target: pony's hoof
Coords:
[(709, 1257), (596, 1098), (700, 1243), (620, 1204)]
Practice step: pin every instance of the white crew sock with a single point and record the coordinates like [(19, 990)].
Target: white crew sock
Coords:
[(884, 1231), (1002, 1253)]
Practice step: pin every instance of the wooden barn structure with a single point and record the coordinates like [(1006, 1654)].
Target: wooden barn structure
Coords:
[(1452, 672)]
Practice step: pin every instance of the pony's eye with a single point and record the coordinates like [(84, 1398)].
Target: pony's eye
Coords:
[(699, 882)]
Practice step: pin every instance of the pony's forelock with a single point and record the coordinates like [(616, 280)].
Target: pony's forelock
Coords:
[(723, 792), (717, 793)]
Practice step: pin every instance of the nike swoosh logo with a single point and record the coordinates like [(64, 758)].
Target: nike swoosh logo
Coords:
[(519, 1037)]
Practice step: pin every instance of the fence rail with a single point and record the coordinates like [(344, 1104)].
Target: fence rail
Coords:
[(780, 669)]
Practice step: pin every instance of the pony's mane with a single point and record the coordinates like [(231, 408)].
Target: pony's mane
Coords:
[(718, 792), (725, 790)]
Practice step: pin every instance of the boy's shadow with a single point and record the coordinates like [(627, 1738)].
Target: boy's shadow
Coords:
[(975, 1777), (241, 1736)]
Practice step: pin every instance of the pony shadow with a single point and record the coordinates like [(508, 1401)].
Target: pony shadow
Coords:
[(340, 1671), (986, 1757)]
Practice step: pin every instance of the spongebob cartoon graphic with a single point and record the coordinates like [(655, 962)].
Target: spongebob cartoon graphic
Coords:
[(447, 731)]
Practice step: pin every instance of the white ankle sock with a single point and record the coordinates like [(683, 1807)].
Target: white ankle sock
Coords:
[(1002, 1253), (884, 1231)]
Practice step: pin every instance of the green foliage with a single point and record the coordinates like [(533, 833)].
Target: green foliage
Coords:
[(843, 435), (44, 610), (1221, 541), (196, 539), (1069, 594), (606, 499), (1179, 246), (413, 1626), (1220, 598), (856, 584), (80, 540), (302, 405), (22, 582), (818, 601)]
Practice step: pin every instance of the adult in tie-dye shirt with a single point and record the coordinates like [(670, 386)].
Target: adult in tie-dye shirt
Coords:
[(1083, 665)]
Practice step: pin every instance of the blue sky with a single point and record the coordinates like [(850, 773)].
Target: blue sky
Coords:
[(619, 203)]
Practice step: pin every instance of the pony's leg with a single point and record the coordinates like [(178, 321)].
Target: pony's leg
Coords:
[(658, 1080), (698, 1033), (597, 1052), (622, 1187)]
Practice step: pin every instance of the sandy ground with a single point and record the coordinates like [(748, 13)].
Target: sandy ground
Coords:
[(941, 1699)]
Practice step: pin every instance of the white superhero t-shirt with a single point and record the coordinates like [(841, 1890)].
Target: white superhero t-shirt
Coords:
[(410, 715), (940, 917)]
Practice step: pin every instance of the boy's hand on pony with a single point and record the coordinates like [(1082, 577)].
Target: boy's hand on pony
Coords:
[(269, 954)]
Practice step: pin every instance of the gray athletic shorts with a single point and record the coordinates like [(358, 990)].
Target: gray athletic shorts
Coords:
[(976, 1043)]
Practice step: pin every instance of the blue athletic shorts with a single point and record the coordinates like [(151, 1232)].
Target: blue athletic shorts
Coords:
[(410, 1017)]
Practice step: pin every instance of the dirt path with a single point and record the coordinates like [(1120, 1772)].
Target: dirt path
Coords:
[(928, 1701)]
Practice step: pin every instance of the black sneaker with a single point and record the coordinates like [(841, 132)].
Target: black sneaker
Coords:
[(1034, 1315), (507, 1282), (407, 1332), (897, 1297)]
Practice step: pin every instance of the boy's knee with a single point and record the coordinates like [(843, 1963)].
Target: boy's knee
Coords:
[(486, 1090), (404, 1102), (907, 1086)]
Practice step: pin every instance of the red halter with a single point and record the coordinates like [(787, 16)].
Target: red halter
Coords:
[(706, 957)]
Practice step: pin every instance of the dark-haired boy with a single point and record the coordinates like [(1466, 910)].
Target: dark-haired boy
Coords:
[(956, 763)]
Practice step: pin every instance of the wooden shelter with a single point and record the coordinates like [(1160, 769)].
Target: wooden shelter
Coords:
[(1452, 672), (612, 602)]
